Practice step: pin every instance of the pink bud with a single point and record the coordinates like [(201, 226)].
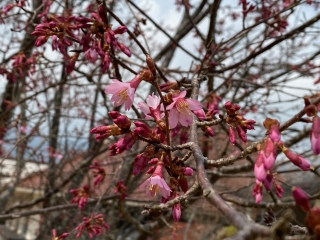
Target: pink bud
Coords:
[(301, 198), (228, 105), (241, 133), (200, 114), (296, 159), (268, 181), (187, 171), (124, 49), (114, 114), (123, 122), (270, 154), (275, 134), (232, 135), (279, 190), (176, 212), (120, 30), (259, 170), (257, 191), (209, 131)]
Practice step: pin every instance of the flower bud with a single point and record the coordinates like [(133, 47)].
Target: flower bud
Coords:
[(187, 171), (301, 198), (259, 169), (296, 159)]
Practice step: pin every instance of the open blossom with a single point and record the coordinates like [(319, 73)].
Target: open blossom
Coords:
[(315, 135), (153, 102), (123, 92), (156, 184), (180, 110)]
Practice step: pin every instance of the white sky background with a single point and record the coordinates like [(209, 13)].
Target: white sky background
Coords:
[(165, 14)]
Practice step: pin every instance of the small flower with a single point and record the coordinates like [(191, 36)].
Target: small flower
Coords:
[(180, 110), (123, 92), (80, 196), (153, 102), (156, 183), (315, 135), (301, 198)]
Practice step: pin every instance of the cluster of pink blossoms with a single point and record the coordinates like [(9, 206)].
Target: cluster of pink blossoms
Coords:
[(99, 38), (268, 154)]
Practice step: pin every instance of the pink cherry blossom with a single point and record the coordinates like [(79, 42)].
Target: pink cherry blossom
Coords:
[(153, 101), (122, 92), (180, 110), (156, 184)]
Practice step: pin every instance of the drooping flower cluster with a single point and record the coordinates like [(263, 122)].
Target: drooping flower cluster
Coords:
[(94, 226), (98, 39), (80, 196), (21, 66), (121, 189), (98, 173), (263, 170), (237, 121), (156, 184)]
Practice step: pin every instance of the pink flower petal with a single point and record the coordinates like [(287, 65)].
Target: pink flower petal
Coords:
[(173, 118)]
